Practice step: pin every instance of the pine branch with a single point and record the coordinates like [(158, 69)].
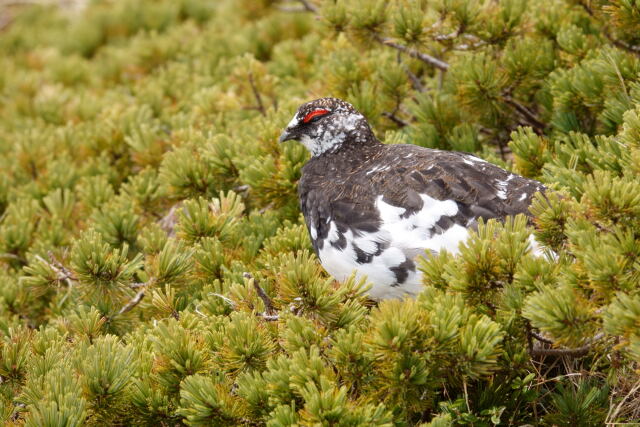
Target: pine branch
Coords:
[(605, 31), (473, 42), (241, 188), (292, 9), (12, 3), (395, 119), (62, 272), (270, 313), (415, 81), (612, 415), (569, 352), (169, 221), (527, 114), (132, 303), (61, 268), (266, 208), (223, 298), (7, 255), (623, 45), (428, 59), (540, 338), (4, 21), (256, 94), (445, 37), (308, 6), (466, 394), (431, 60)]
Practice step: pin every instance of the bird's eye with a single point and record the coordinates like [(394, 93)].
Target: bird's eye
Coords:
[(315, 114)]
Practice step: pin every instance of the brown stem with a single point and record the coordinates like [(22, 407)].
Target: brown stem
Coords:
[(256, 94), (570, 352), (605, 30), (308, 6), (431, 60), (428, 59), (4, 22), (13, 256), (132, 303), (415, 81), (68, 275), (527, 114), (63, 274), (269, 311), (540, 338), (169, 221), (623, 45), (292, 9), (394, 119)]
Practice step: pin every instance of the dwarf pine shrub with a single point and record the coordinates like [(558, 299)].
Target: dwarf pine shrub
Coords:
[(154, 265)]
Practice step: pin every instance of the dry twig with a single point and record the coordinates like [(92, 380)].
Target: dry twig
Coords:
[(309, 6), (63, 274), (569, 352), (428, 59), (256, 94), (13, 256), (270, 313), (605, 31), (169, 221), (613, 413), (527, 114), (415, 81), (132, 303), (540, 338), (395, 119)]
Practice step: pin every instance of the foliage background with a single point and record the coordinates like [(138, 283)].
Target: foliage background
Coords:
[(145, 205)]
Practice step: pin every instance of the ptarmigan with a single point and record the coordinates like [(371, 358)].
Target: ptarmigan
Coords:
[(375, 208)]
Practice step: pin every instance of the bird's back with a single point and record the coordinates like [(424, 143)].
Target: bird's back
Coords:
[(375, 209)]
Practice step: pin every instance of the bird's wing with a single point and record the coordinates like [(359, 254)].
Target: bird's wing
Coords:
[(479, 189), (403, 202), (429, 199), (330, 214)]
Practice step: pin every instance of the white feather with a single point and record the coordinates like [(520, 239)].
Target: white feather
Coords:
[(293, 123), (502, 189), (405, 237)]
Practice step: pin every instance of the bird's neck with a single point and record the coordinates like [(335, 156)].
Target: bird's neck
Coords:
[(351, 154), (344, 133)]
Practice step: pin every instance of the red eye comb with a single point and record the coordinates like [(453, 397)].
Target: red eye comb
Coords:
[(314, 113)]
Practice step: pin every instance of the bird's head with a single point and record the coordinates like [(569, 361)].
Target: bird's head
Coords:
[(326, 124)]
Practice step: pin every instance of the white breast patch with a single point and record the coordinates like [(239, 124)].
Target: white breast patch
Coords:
[(404, 237)]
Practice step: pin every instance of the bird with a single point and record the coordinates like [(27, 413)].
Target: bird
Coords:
[(374, 208)]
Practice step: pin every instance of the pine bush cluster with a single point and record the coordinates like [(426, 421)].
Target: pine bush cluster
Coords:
[(154, 265)]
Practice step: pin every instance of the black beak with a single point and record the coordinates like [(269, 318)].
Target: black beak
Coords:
[(287, 136)]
